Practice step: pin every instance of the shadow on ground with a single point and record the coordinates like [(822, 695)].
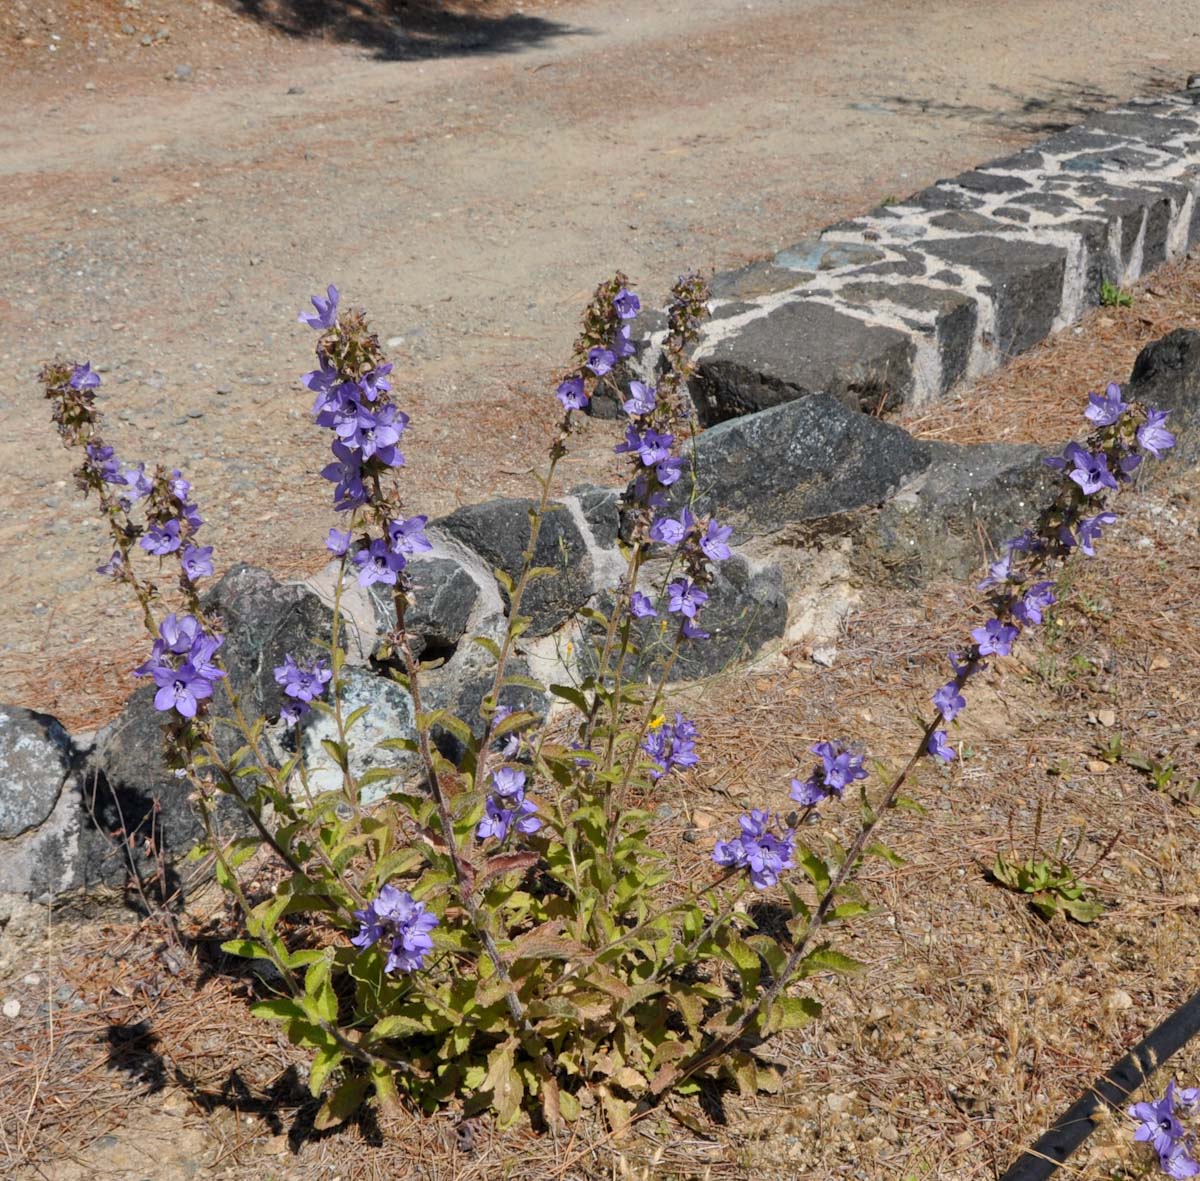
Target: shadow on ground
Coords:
[(1058, 106), (401, 30)]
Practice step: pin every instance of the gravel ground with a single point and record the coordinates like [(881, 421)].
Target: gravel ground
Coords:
[(469, 177)]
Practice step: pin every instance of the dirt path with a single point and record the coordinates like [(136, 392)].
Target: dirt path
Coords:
[(169, 229)]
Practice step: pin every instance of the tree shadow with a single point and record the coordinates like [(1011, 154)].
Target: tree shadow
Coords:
[(1058, 106), (406, 30)]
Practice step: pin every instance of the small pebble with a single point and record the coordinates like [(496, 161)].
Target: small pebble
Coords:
[(12, 1008)]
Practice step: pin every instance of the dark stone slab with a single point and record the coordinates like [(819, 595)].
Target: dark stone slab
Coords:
[(263, 621), (443, 594), (1026, 160), (940, 196), (758, 278), (798, 462), (1013, 213), (39, 805), (955, 314), (1079, 139), (1111, 159), (826, 254), (602, 511), (934, 526), (1046, 202), (1025, 279), (1166, 375), (799, 349), (498, 531), (1152, 125), (979, 181), (136, 810), (745, 610), (35, 758), (965, 221)]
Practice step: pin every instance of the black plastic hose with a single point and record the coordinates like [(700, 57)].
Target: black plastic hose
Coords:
[(1112, 1089)]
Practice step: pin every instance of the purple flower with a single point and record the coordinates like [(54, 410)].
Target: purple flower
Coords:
[(963, 668), (1090, 529), (508, 782), (1158, 1124), (378, 562), (326, 314), (338, 542), (713, 543), (999, 572), (685, 598), (1178, 1161), (948, 700), (395, 916), (671, 745), (763, 853), (640, 606), (376, 434), (1105, 409), (346, 473), (622, 345), (197, 562), (304, 684), (572, 394), (839, 767), (179, 486), (650, 446), (138, 483), (376, 382), (601, 360), (939, 747), (84, 378), (626, 304), (179, 633), (691, 630), (642, 399), (114, 566), (292, 712), (995, 638), (668, 470), (510, 743), (203, 654), (407, 535), (1037, 600), (105, 464), (1127, 465), (1153, 436), (1091, 471), (162, 539), (499, 819), (321, 381), (671, 531), (180, 689)]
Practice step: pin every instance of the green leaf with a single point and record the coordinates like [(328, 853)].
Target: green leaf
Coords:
[(505, 1084), (790, 1012), (826, 959), (573, 695), (322, 1065), (278, 1009), (523, 682), (398, 1025), (568, 1106), (879, 849), (336, 751), (246, 948), (488, 645), (815, 868), (318, 987), (342, 1102), (503, 578)]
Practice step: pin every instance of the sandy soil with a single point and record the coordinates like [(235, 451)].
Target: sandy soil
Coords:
[(469, 178)]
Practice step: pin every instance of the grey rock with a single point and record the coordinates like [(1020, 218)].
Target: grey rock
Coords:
[(184, 72), (1166, 375), (979, 181), (499, 530), (1025, 281), (39, 805), (389, 714), (602, 511), (934, 526), (264, 620), (136, 810), (35, 758), (803, 461), (799, 349), (759, 278), (940, 196), (444, 595)]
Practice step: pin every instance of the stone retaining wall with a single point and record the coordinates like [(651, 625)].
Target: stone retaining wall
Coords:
[(802, 356)]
